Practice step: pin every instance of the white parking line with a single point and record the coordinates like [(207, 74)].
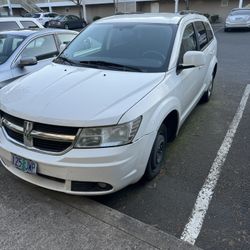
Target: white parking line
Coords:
[(194, 225)]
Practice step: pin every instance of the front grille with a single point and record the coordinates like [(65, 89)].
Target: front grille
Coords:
[(14, 135), (44, 137)]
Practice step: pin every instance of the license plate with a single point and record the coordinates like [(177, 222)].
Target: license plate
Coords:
[(25, 165)]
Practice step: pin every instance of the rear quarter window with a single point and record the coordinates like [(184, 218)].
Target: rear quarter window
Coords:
[(9, 25), (28, 24)]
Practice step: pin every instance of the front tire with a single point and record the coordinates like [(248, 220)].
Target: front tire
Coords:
[(157, 154), (66, 26), (207, 95)]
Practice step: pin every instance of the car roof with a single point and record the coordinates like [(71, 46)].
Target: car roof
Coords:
[(28, 32), (170, 18)]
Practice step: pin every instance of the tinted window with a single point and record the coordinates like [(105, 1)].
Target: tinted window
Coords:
[(8, 44), (52, 15), (41, 48), (75, 18), (202, 34), (8, 26), (188, 43), (28, 24), (36, 15), (65, 38), (209, 32), (146, 47)]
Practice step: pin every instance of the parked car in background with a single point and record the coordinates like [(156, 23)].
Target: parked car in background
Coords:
[(238, 18), (67, 22), (100, 116), (25, 51), (13, 23), (45, 17)]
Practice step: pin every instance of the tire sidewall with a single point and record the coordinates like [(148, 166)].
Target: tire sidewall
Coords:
[(154, 165)]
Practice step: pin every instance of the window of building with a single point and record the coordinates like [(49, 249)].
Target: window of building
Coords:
[(224, 3)]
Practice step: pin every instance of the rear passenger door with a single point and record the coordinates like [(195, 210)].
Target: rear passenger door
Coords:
[(43, 48)]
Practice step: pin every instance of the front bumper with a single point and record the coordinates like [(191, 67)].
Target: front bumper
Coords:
[(116, 166)]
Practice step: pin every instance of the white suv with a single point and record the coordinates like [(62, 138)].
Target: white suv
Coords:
[(14, 23), (45, 17), (100, 116)]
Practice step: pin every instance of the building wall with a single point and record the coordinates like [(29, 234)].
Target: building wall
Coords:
[(205, 6), (101, 10)]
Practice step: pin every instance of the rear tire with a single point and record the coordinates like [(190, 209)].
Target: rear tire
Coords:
[(157, 154), (226, 29)]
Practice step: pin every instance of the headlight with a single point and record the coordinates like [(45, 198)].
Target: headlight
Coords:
[(110, 136)]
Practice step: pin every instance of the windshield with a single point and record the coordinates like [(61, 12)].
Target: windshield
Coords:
[(122, 46), (8, 44), (240, 12)]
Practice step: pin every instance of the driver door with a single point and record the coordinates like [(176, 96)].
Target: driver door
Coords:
[(190, 80)]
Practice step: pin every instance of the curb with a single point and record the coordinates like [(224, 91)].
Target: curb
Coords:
[(133, 227)]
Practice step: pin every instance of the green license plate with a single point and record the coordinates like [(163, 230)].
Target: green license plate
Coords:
[(25, 165)]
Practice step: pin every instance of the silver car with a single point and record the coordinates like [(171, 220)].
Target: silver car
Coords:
[(26, 51), (238, 18)]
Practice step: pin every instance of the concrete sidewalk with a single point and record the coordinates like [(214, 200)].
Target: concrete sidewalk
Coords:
[(33, 218)]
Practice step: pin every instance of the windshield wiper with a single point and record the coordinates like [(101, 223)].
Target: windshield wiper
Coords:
[(112, 65), (63, 59)]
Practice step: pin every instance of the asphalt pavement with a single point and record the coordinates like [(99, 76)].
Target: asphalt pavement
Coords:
[(153, 215)]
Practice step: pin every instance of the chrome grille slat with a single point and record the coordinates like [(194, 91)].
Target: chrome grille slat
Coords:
[(46, 140)]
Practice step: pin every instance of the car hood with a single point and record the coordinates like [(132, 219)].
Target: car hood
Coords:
[(75, 96)]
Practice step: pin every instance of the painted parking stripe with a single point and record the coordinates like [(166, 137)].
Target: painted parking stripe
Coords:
[(194, 225)]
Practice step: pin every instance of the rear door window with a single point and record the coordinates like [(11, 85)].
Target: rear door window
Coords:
[(210, 35), (9, 25), (202, 34)]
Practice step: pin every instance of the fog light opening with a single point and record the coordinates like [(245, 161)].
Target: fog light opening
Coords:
[(102, 185)]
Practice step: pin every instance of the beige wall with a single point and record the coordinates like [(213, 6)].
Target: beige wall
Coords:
[(206, 6), (101, 10)]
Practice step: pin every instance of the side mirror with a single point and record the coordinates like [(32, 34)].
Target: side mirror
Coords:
[(62, 47), (27, 61), (194, 59)]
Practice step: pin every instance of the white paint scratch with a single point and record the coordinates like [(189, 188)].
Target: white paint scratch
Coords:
[(194, 225)]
